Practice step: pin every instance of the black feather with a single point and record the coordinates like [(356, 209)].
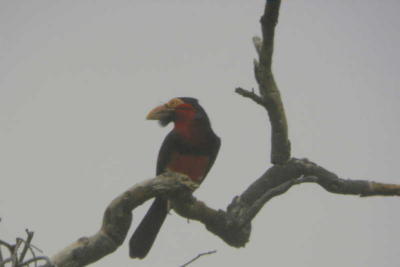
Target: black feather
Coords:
[(145, 234)]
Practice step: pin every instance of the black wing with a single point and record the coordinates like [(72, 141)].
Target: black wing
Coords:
[(164, 155)]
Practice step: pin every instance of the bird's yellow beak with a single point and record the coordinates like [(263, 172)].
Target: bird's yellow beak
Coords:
[(159, 113), (164, 111)]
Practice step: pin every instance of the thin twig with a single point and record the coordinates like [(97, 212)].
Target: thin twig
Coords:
[(26, 245), (198, 256), (4, 262), (8, 246), (249, 94), (14, 256), (1, 258), (15, 252), (30, 248), (35, 260)]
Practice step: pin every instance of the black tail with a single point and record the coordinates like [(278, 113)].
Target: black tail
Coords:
[(145, 234)]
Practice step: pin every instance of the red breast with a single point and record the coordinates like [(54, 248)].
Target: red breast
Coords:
[(194, 166)]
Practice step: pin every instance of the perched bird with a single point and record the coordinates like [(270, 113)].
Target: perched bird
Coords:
[(190, 148)]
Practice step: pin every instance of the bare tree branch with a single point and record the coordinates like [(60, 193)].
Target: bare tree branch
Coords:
[(5, 244), (14, 252), (36, 260), (270, 97), (117, 220), (332, 183), (232, 225), (10, 248), (14, 255), (1, 258), (250, 94), (198, 256), (26, 245), (228, 225), (260, 202)]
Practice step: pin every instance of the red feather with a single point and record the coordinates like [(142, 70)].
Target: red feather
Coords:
[(190, 148), (193, 166)]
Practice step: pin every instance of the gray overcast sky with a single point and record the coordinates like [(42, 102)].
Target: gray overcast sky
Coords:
[(78, 77)]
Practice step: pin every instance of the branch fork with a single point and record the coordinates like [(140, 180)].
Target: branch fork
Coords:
[(232, 225)]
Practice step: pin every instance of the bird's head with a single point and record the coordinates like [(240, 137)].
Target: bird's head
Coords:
[(180, 110)]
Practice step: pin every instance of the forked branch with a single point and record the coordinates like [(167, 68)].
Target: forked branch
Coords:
[(18, 251), (232, 225), (270, 97)]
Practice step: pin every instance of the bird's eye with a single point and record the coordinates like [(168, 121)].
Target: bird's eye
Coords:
[(173, 103)]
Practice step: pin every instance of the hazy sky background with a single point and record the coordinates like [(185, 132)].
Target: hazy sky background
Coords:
[(77, 79)]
